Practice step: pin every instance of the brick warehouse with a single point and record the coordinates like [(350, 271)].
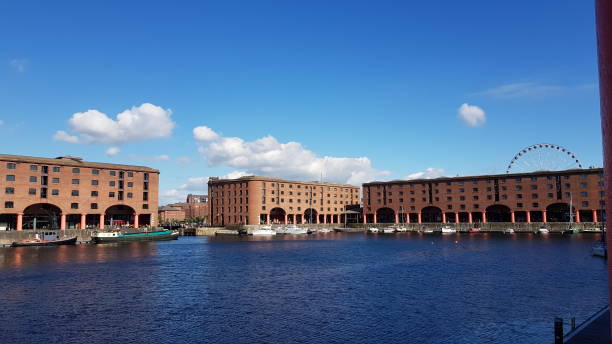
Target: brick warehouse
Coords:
[(67, 192), (522, 197), (256, 200)]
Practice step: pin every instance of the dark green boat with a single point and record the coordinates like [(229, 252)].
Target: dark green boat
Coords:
[(109, 237)]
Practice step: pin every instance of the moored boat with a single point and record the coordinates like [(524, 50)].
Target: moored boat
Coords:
[(45, 239), (474, 230), (264, 230), (428, 231), (388, 230), (448, 230), (373, 230), (401, 229), (117, 236), (509, 231), (543, 230), (292, 229)]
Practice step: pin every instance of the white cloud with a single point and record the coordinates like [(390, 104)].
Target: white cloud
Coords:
[(268, 157), (529, 89), (429, 173), (196, 184), (112, 151), (162, 157), (61, 135), (472, 115), (139, 123), (19, 64), (235, 174), (205, 134), (183, 161), (172, 196)]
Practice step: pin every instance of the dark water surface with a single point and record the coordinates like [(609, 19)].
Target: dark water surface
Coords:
[(332, 288)]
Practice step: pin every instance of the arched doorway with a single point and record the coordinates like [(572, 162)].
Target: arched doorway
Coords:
[(119, 216), (41, 216), (385, 215), (310, 215), (498, 213), (277, 215), (431, 214), (558, 212)]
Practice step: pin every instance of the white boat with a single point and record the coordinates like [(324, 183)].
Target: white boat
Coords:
[(324, 230), (264, 230), (292, 229), (543, 230), (509, 231), (448, 230), (428, 231), (401, 229), (373, 230), (388, 230)]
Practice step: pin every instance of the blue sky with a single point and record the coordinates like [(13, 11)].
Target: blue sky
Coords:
[(380, 80)]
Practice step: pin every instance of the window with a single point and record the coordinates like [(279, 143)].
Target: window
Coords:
[(518, 179), (94, 194), (112, 173), (534, 179), (475, 198), (504, 197), (130, 195), (130, 174), (462, 198), (8, 204), (474, 189), (146, 206), (111, 194), (535, 205), (74, 192), (74, 206), (111, 183), (583, 185), (75, 182), (476, 206), (33, 179), (550, 195), (94, 206), (33, 168), (519, 196), (56, 168), (32, 191), (9, 191), (145, 196), (55, 180), (76, 170), (585, 203), (519, 205), (534, 187), (55, 192), (549, 186), (534, 196), (449, 207), (583, 194), (130, 184), (94, 182), (10, 166), (96, 172), (518, 187)]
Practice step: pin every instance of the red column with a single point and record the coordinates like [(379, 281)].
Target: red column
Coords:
[(420, 221), (365, 218), (83, 221), (267, 219), (324, 219), (285, 221), (528, 216), (512, 216), (136, 224), (101, 221), (407, 217), (595, 215), (544, 216), (456, 217), (396, 218), (19, 222), (443, 217), (470, 217), (303, 220), (63, 222), (603, 13), (577, 215), (484, 217), (375, 220), (317, 219)]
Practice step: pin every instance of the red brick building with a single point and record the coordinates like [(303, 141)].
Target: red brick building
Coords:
[(256, 200), (196, 206), (522, 197), (67, 192)]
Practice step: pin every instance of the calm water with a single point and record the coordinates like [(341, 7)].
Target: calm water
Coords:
[(332, 288)]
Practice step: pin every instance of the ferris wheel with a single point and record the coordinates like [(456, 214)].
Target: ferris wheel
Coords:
[(543, 157)]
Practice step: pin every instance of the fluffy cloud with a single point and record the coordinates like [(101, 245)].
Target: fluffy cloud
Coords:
[(429, 173), (19, 64), (162, 157), (112, 151), (266, 156), (472, 115), (139, 123)]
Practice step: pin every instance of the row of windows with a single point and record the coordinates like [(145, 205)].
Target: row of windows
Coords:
[(518, 205), (489, 189), (55, 192), (11, 204), (490, 197), (94, 182), (246, 209), (314, 201), (12, 166)]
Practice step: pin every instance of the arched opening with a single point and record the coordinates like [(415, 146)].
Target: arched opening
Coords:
[(385, 215), (119, 216), (41, 216), (431, 214), (464, 217), (520, 216), (310, 215), (450, 217), (498, 213), (277, 215), (558, 212)]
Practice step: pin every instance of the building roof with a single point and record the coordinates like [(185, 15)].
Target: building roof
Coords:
[(216, 180), (489, 176), (75, 162)]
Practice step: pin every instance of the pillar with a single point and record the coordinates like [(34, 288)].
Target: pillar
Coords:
[(595, 215), (317, 219), (83, 221), (577, 215), (267, 219), (285, 221), (443, 217), (544, 216), (63, 222), (407, 217), (303, 219), (420, 221), (19, 222), (456, 217), (136, 224), (512, 218), (396, 218), (470, 217), (375, 219), (324, 219), (365, 218), (484, 217), (101, 221), (528, 216)]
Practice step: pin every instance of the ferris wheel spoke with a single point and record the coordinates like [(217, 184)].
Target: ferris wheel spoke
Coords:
[(543, 157)]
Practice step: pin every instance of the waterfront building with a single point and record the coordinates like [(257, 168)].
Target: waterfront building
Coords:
[(257, 200), (170, 213), (196, 206), (520, 197), (70, 193)]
